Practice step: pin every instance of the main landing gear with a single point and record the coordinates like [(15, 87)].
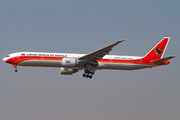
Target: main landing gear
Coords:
[(88, 73)]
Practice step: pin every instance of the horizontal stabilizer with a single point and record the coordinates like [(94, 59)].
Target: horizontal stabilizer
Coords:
[(163, 59)]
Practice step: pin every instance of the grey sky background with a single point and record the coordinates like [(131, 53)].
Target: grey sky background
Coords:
[(81, 26)]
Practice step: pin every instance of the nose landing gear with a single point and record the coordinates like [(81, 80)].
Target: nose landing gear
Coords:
[(15, 70)]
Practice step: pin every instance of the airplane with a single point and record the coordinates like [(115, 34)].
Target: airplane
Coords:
[(97, 60)]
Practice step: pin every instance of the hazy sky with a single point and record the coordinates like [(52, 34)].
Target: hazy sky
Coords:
[(81, 26)]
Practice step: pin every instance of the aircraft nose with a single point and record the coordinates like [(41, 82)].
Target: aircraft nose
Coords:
[(4, 59)]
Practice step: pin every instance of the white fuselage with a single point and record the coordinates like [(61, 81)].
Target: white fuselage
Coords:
[(42, 59)]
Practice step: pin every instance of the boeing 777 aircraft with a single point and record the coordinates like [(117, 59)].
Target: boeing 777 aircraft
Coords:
[(97, 60)]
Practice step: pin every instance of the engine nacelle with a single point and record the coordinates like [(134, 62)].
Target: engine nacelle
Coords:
[(69, 62), (66, 71)]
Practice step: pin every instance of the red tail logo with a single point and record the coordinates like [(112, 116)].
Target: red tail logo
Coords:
[(158, 51)]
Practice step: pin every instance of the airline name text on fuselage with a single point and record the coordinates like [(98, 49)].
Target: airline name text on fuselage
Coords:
[(123, 58), (46, 55)]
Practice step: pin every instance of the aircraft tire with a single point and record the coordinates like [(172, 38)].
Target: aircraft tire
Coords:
[(90, 76), (87, 76), (92, 72), (15, 70), (84, 75)]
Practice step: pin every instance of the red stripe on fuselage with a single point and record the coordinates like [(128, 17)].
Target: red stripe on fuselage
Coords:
[(17, 60)]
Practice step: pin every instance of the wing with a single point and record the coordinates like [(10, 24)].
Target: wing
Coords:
[(99, 54)]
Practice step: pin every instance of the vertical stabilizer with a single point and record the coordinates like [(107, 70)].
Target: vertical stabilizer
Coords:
[(158, 51)]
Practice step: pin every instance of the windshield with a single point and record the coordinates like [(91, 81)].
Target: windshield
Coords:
[(7, 55)]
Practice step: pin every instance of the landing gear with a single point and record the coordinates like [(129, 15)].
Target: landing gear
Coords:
[(88, 73), (15, 70), (87, 76)]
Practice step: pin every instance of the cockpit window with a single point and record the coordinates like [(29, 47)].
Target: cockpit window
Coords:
[(7, 55)]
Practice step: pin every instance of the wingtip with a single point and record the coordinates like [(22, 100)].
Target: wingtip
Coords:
[(121, 40)]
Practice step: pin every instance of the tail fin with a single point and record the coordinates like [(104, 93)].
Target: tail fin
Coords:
[(158, 51)]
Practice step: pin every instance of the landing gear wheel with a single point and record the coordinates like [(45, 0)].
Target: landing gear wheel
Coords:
[(87, 76), (84, 75), (15, 70), (92, 72), (88, 73), (90, 76)]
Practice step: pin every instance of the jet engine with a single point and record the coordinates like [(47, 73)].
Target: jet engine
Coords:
[(69, 62), (66, 71)]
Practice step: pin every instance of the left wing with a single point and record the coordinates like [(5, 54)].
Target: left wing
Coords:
[(99, 54)]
